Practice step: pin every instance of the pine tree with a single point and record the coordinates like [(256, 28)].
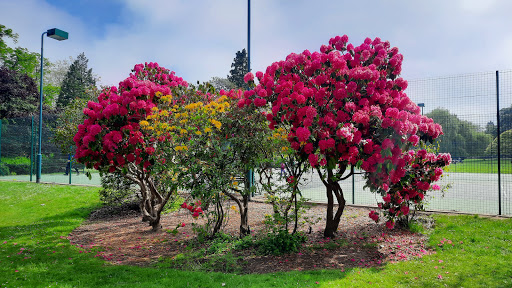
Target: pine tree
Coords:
[(78, 79), (239, 69)]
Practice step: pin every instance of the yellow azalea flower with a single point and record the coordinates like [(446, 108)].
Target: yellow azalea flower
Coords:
[(167, 98), (216, 123), (235, 183), (199, 133), (158, 93), (284, 149), (207, 130), (144, 123), (154, 109), (183, 131)]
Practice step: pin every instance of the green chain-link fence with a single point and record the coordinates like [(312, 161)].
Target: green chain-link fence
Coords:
[(18, 149), (468, 106)]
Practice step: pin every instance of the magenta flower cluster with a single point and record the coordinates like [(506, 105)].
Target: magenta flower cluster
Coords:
[(111, 136), (348, 104)]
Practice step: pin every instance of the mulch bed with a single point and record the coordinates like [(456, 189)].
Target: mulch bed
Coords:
[(122, 239)]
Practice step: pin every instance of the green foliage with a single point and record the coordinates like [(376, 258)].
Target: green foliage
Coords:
[(16, 160), (78, 80), (221, 84), (461, 138), (238, 70), (280, 243), (18, 94), (15, 166), (116, 189), (6, 33), (69, 118), (505, 122), (4, 169), (17, 59), (216, 256), (505, 143)]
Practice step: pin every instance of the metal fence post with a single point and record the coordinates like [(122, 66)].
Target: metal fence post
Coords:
[(498, 133), (31, 148), (353, 188)]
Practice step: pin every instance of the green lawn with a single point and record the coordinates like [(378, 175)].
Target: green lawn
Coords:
[(481, 166), (35, 219)]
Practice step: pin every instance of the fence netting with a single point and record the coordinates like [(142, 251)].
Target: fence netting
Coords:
[(19, 149), (467, 106)]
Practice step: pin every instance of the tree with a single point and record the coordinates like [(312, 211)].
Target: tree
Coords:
[(461, 138), (346, 107), (505, 119), (505, 143), (111, 139), (221, 84), (217, 142), (17, 59), (18, 94), (78, 79), (491, 129), (239, 69), (70, 117), (5, 50)]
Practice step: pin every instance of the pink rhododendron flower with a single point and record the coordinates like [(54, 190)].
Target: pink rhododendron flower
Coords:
[(258, 102), (248, 77), (390, 224), (313, 160), (303, 134)]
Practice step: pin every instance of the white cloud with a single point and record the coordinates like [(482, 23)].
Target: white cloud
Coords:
[(199, 39)]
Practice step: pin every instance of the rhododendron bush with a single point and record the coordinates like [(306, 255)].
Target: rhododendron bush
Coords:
[(111, 138), (214, 143), (347, 108)]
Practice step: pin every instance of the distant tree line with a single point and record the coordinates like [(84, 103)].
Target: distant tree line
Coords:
[(463, 139)]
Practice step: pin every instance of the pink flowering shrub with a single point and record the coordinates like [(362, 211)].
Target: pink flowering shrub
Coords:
[(346, 107), (423, 168), (111, 139)]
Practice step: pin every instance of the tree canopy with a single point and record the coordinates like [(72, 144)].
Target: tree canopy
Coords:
[(78, 79), (505, 122), (461, 138), (239, 69), (18, 94), (18, 59), (505, 143), (345, 106)]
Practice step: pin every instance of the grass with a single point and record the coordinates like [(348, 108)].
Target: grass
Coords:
[(481, 166), (476, 252)]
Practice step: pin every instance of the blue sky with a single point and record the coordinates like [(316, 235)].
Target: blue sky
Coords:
[(198, 39)]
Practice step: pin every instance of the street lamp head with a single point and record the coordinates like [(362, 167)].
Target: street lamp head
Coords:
[(421, 105), (57, 34)]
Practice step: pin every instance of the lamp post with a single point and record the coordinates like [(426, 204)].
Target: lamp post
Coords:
[(422, 105), (60, 35)]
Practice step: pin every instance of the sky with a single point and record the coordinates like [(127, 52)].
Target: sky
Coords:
[(198, 39)]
